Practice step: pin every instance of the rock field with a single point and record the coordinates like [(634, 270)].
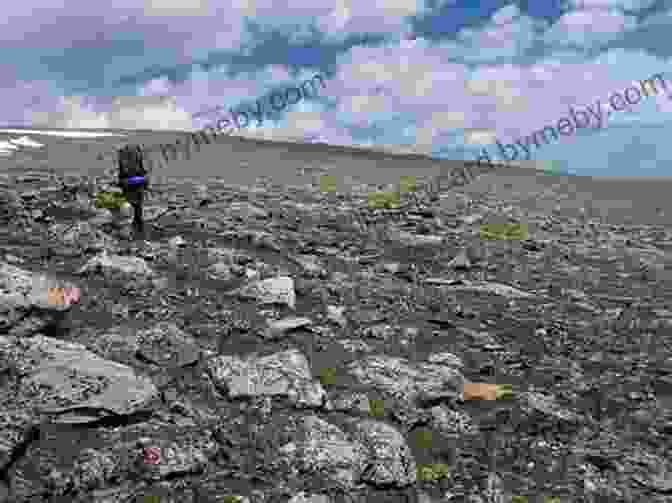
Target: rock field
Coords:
[(280, 344)]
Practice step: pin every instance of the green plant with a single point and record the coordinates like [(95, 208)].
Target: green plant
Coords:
[(328, 183), (519, 499), (384, 200), (433, 473), (376, 407), (551, 499), (504, 392), (505, 232), (110, 200), (327, 376), (407, 184), (232, 499), (423, 438)]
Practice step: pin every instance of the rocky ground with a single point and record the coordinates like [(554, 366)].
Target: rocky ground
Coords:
[(281, 344)]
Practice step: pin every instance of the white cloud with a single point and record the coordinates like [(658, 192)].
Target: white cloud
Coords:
[(507, 34), (503, 84), (590, 27), (612, 4), (479, 137), (155, 87), (176, 7), (438, 124), (129, 112), (506, 14)]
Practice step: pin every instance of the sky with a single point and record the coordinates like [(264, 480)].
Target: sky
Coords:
[(447, 78)]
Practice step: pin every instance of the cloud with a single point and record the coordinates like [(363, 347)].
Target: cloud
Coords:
[(612, 4), (479, 137), (588, 28), (438, 123), (503, 84), (376, 16), (298, 125), (176, 7), (132, 112), (155, 112), (509, 33), (73, 114), (502, 79)]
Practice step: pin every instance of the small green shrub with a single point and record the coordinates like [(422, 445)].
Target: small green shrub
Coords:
[(433, 473), (328, 183), (328, 376), (384, 200), (551, 499), (407, 184), (423, 439), (504, 392), (441, 471), (232, 499), (110, 200), (376, 407), (425, 474), (512, 232), (519, 499)]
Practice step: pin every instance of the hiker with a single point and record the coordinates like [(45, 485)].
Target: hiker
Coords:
[(133, 180)]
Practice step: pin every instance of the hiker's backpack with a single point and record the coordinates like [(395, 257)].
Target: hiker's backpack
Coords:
[(131, 163)]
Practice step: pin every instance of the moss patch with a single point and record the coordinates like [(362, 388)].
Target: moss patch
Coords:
[(327, 376), (433, 472), (376, 408)]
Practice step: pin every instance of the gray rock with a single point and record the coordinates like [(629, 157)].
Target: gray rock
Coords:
[(166, 344), (25, 306), (452, 422), (303, 497), (278, 290), (110, 264), (281, 327), (409, 381), (91, 471), (62, 376), (460, 261), (480, 286), (173, 458), (66, 383), (388, 459), (324, 450), (82, 237), (310, 266), (283, 374)]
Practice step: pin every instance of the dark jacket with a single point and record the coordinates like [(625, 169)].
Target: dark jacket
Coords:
[(131, 164)]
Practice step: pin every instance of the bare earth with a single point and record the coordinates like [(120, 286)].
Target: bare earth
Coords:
[(179, 376)]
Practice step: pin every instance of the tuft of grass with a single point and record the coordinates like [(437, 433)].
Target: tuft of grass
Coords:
[(519, 499), (504, 232), (384, 200), (504, 392), (328, 376), (423, 438), (407, 184), (232, 499), (433, 472), (376, 407), (328, 183), (551, 499), (109, 200)]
